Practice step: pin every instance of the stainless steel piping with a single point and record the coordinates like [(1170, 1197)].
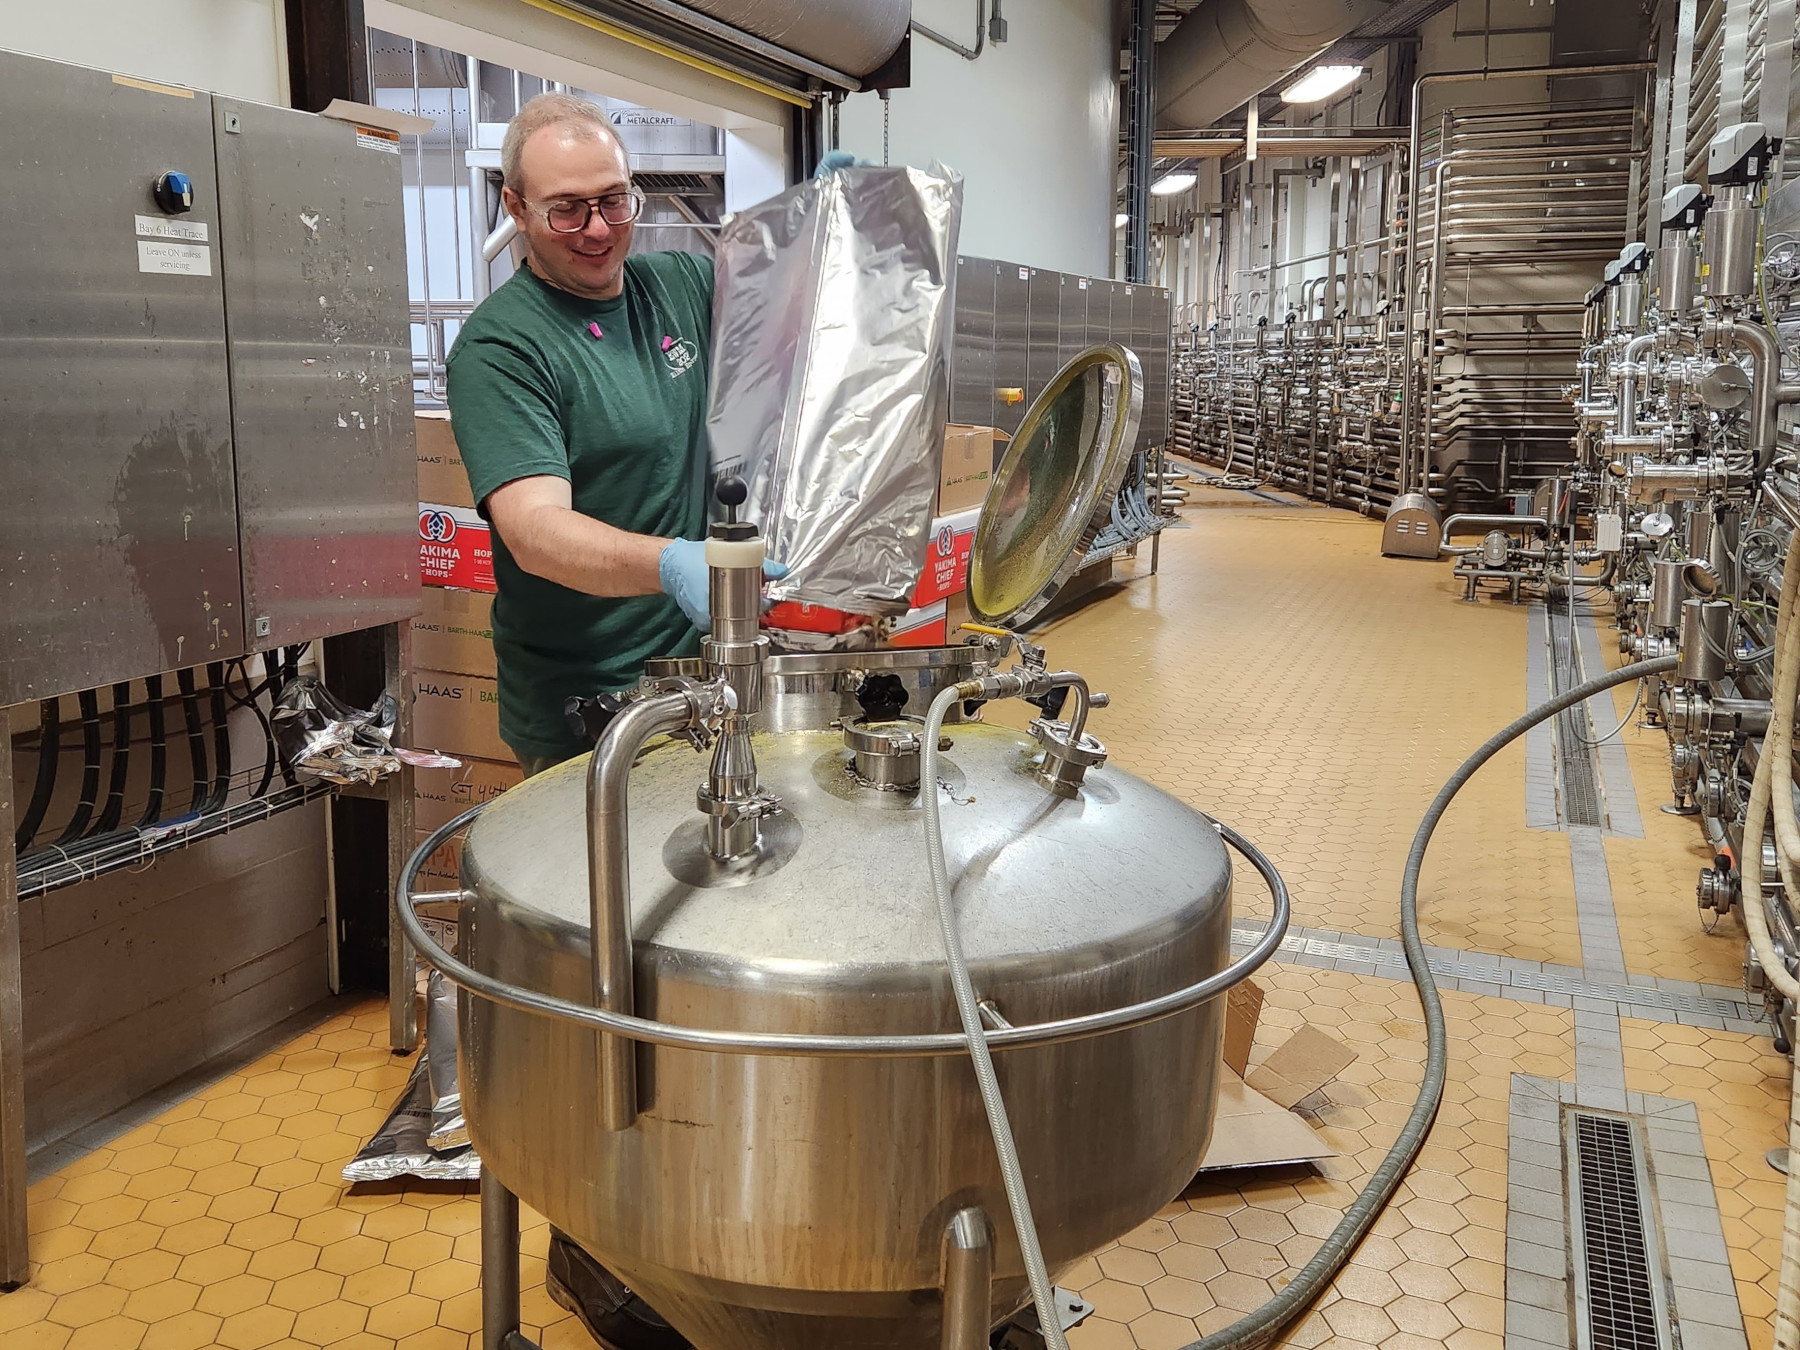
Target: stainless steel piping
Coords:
[(609, 886), (1629, 374), (968, 1280)]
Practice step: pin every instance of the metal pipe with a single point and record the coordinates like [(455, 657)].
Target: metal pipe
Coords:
[(609, 887), (499, 1263), (967, 53), (1765, 385), (1140, 159), (968, 1280), (1629, 374)]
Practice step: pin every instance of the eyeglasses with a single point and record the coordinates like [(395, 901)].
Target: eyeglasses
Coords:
[(572, 217)]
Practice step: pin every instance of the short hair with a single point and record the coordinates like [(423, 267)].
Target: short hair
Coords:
[(549, 110)]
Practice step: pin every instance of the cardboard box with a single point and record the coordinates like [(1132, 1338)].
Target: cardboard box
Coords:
[(1243, 1007), (455, 548), (440, 795), (946, 558), (458, 715), (966, 470), (442, 477), (442, 871), (454, 630), (923, 627)]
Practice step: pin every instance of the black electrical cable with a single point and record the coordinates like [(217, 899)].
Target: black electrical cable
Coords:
[(49, 752), (196, 737), (215, 680), (110, 814), (251, 699), (89, 701), (159, 751), (1262, 1326)]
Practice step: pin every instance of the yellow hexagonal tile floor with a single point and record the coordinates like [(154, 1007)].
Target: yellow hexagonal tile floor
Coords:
[(1325, 694)]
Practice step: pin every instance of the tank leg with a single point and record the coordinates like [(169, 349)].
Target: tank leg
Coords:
[(499, 1265), (968, 1280)]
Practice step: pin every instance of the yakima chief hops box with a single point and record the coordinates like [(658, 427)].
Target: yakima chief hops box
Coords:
[(455, 548)]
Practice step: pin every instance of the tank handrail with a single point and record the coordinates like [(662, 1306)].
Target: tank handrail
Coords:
[(824, 1045)]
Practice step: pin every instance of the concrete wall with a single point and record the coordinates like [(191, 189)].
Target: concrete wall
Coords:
[(1032, 126), (136, 978), (236, 47)]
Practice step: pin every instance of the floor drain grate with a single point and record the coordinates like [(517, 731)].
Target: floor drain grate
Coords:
[(1620, 1303), (1574, 756)]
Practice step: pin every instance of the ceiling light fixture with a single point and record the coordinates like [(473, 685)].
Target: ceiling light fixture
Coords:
[(1171, 183), (1320, 83)]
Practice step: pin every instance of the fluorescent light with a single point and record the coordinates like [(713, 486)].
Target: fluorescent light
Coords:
[(1171, 183), (1121, 220), (1320, 83)]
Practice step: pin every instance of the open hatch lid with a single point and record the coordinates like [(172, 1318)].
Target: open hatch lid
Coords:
[(1054, 489)]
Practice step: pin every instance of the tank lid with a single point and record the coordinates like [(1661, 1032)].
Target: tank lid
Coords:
[(1054, 489)]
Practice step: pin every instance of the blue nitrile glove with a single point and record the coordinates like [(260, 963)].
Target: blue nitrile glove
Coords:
[(838, 159), (686, 580)]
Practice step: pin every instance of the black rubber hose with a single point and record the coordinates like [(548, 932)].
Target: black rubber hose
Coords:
[(121, 761), (89, 700), (196, 737), (215, 680), (1262, 1326), (49, 752), (159, 751)]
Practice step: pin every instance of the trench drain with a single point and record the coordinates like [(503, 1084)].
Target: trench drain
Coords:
[(1620, 1299)]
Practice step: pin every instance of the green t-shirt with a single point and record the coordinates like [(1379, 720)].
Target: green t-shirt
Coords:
[(622, 416)]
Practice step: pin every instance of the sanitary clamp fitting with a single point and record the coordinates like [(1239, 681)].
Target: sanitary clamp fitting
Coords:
[(1065, 762)]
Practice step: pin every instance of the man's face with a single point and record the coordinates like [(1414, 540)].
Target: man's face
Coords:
[(565, 163)]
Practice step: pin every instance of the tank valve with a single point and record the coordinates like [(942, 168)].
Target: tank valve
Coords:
[(1067, 758), (735, 651)]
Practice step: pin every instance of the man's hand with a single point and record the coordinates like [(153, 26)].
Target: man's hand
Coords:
[(838, 159), (687, 581)]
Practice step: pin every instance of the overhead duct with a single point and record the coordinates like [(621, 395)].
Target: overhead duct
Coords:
[(1227, 52), (854, 36)]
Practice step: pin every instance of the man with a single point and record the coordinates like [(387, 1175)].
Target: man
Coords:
[(578, 395)]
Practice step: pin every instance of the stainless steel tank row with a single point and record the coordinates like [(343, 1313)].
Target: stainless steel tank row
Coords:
[(707, 1020)]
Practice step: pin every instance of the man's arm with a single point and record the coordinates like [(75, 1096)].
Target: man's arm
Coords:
[(550, 539)]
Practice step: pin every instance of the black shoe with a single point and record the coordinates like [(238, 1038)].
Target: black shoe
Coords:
[(614, 1316)]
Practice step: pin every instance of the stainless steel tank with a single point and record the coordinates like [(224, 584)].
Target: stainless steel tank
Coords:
[(629, 964), (792, 1202)]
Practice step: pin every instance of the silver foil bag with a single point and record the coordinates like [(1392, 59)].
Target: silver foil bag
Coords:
[(831, 376)]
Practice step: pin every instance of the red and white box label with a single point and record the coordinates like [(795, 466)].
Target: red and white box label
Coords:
[(456, 548)]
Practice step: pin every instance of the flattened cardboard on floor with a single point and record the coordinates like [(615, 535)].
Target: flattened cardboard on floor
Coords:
[(1252, 1131), (1306, 1062)]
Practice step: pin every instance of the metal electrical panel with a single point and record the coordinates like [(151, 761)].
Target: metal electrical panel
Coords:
[(118, 534), (1041, 362), (205, 380), (1017, 326), (972, 359), (321, 372), (1012, 341)]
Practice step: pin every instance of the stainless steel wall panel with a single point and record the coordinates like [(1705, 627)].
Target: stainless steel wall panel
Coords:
[(1045, 300), (972, 360), (1012, 341), (1155, 337), (1071, 324), (118, 547), (1099, 311), (314, 253)]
